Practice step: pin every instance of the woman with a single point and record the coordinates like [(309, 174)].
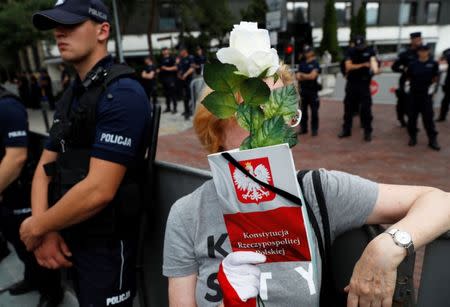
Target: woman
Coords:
[(196, 239)]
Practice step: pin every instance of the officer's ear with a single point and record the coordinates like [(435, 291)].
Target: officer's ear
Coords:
[(103, 31)]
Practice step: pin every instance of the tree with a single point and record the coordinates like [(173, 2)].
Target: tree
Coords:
[(329, 29), (256, 12), (358, 22)]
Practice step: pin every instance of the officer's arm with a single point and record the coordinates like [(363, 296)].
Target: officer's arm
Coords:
[(310, 76), (11, 165), (350, 66), (374, 65), (398, 65), (85, 199), (39, 187), (182, 291), (189, 72), (169, 68), (148, 75)]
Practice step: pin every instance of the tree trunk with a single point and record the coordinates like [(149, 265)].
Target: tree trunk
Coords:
[(151, 24)]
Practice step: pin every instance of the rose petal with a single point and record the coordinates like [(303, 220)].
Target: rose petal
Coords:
[(233, 56), (249, 41)]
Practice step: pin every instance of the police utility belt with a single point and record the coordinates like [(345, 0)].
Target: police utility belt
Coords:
[(75, 133)]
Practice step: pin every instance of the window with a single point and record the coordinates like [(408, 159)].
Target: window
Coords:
[(408, 13), (297, 11), (432, 12), (343, 12), (167, 17), (372, 13)]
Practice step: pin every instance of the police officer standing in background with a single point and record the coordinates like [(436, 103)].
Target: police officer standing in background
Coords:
[(168, 77), (85, 196), (307, 75), (199, 60), (185, 72), (360, 65), (423, 74), (15, 199), (446, 88), (148, 76), (400, 65)]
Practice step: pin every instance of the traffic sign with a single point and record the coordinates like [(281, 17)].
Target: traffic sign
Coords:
[(374, 87)]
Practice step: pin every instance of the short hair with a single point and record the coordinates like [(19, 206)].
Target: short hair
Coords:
[(210, 129)]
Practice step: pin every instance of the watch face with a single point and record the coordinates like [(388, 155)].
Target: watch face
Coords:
[(402, 237)]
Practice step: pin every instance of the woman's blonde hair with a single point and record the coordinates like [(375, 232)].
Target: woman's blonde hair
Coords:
[(210, 129)]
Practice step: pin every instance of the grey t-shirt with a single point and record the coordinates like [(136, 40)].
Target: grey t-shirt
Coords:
[(196, 240)]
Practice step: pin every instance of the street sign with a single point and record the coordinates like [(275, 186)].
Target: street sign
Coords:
[(273, 20)]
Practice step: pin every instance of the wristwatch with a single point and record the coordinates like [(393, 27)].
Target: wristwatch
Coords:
[(402, 239)]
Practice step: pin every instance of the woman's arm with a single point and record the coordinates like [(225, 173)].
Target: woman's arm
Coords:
[(423, 212), (182, 291)]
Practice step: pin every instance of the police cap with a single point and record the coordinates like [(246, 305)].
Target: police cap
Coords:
[(71, 12), (415, 35), (359, 41), (424, 47)]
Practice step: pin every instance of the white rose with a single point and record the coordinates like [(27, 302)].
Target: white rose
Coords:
[(250, 51)]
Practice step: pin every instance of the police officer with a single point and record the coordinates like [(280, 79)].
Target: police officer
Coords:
[(423, 74), (360, 65), (185, 73), (168, 77), (148, 76), (400, 65), (446, 88), (85, 193), (307, 75), (15, 179), (199, 60)]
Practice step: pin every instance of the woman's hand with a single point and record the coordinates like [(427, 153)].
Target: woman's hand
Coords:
[(374, 276), (239, 278)]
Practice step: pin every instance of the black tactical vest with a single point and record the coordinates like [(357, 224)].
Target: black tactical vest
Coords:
[(75, 133)]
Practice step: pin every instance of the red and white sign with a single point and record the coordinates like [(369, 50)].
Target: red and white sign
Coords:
[(248, 191), (374, 87), (279, 234)]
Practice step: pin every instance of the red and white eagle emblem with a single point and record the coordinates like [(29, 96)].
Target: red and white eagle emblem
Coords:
[(247, 190)]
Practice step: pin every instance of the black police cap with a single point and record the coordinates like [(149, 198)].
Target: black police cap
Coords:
[(424, 47), (71, 12), (415, 34)]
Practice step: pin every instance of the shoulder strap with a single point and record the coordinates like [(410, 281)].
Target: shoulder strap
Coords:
[(118, 71)]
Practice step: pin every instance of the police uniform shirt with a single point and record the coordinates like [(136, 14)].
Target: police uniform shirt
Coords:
[(421, 74), (404, 59), (306, 68), (13, 124), (185, 64), (149, 69), (200, 59), (122, 118), (168, 62), (359, 57)]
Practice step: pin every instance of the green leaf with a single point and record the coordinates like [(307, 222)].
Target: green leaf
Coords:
[(247, 143), (264, 73), (272, 132), (222, 105), (283, 102), (249, 117), (290, 137), (255, 92), (222, 77), (276, 76)]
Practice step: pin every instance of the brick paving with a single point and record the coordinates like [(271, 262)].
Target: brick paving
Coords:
[(386, 159)]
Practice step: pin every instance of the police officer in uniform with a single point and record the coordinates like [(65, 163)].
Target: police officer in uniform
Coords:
[(360, 65), (307, 75), (15, 179), (185, 73), (446, 88), (148, 76), (168, 77), (85, 193), (400, 65), (423, 74), (199, 60)]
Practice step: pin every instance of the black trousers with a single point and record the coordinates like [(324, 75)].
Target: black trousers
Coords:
[(47, 281), (357, 96), (311, 100), (421, 103), (402, 105), (186, 94), (104, 271), (445, 104), (170, 92)]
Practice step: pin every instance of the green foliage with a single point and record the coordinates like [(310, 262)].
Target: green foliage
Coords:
[(329, 27), (263, 113), (256, 12), (16, 28), (358, 23)]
